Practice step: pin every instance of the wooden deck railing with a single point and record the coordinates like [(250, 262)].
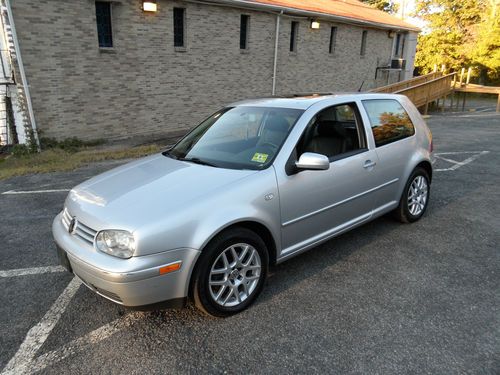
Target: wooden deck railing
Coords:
[(434, 86), (424, 93), (408, 83), (424, 89)]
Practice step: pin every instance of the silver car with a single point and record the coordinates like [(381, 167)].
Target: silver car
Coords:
[(255, 184)]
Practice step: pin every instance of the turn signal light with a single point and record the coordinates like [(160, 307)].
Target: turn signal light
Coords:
[(170, 268)]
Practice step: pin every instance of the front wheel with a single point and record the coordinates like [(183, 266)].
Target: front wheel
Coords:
[(231, 272), (415, 197)]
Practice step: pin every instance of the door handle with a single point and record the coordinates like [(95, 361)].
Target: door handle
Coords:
[(369, 164)]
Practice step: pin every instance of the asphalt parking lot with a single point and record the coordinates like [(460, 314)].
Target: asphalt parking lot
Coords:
[(384, 298)]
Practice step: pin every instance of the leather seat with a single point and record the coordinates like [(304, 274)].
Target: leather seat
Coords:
[(331, 139)]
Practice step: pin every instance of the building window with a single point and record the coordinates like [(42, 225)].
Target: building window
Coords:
[(244, 31), (399, 46), (103, 19), (333, 39), (398, 41), (179, 19), (363, 43), (293, 36)]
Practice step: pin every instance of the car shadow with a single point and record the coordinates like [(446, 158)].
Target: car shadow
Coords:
[(286, 275)]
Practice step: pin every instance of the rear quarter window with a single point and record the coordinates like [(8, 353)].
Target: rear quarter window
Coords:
[(389, 121)]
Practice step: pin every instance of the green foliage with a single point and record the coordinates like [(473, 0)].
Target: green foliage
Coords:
[(486, 51), (388, 6), (462, 33), (69, 144), (20, 151)]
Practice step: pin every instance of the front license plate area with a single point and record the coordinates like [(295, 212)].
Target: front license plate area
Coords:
[(63, 259)]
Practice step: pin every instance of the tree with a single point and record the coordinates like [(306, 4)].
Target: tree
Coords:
[(486, 52), (461, 33), (388, 6)]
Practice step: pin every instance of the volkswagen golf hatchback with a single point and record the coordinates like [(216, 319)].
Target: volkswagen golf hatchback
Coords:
[(255, 184)]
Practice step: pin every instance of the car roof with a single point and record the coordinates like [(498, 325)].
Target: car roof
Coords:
[(304, 101)]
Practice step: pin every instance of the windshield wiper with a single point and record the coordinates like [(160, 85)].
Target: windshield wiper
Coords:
[(198, 161)]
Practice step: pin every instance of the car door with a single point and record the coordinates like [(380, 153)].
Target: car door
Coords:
[(317, 204), (395, 143)]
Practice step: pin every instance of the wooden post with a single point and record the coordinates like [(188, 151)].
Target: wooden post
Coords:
[(468, 75), (451, 99), (444, 103), (427, 100), (462, 76), (463, 102), (443, 68), (435, 68), (498, 102)]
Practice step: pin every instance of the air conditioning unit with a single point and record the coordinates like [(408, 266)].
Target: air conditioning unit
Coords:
[(398, 64)]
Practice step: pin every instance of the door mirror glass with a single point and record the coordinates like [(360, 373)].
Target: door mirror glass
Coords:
[(312, 161)]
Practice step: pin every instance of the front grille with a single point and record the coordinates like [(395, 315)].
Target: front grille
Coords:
[(80, 230)]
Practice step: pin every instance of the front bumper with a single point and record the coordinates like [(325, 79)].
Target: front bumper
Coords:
[(131, 282)]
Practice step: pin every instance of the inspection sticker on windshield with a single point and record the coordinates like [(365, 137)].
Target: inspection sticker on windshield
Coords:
[(260, 158)]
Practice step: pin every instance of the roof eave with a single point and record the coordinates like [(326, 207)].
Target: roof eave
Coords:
[(307, 13)]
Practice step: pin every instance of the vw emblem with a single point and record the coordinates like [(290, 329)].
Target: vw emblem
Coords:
[(72, 225)]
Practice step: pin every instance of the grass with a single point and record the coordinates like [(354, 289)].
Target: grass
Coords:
[(55, 160)]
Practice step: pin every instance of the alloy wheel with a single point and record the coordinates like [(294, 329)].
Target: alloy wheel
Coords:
[(235, 274), (417, 195)]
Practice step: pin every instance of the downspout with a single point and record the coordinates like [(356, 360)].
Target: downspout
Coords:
[(24, 81), (276, 45)]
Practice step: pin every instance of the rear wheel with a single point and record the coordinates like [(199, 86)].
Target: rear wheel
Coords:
[(230, 273), (415, 197)]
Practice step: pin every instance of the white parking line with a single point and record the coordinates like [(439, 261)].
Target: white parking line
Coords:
[(31, 271), (457, 164), (13, 192), (21, 362), (81, 343)]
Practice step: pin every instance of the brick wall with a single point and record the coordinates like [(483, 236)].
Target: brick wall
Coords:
[(144, 86)]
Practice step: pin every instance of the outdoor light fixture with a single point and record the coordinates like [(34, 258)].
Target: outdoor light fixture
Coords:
[(149, 6), (314, 24)]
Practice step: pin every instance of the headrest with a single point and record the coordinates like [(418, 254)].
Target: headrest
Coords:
[(331, 129), (277, 124)]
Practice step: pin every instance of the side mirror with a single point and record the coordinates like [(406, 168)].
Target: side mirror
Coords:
[(312, 161)]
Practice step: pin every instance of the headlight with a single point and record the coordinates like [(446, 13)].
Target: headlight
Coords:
[(118, 243)]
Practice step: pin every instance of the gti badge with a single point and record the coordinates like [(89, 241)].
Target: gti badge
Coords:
[(72, 225)]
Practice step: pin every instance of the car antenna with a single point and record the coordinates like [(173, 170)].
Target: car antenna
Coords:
[(362, 83)]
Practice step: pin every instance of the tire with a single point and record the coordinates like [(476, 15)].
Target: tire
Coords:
[(230, 273), (410, 208)]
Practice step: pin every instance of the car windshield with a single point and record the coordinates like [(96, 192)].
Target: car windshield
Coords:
[(238, 137)]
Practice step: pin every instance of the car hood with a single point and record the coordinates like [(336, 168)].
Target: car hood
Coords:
[(131, 195)]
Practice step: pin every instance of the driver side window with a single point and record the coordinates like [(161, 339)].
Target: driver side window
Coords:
[(333, 132)]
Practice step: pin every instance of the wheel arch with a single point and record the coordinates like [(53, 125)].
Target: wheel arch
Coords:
[(256, 227), (427, 166)]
